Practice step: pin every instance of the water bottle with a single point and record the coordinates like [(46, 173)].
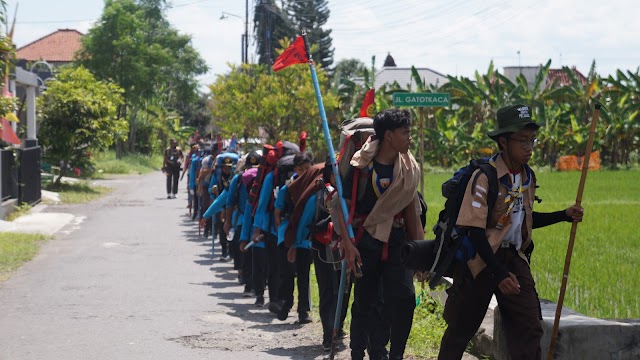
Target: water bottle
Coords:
[(230, 234)]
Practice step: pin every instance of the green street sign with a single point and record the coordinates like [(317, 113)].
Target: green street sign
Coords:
[(421, 99)]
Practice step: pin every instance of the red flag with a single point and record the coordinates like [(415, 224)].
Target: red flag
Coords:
[(302, 140), (294, 54), (7, 133), (368, 104)]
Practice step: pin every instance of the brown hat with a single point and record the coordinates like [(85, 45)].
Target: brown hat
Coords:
[(513, 119)]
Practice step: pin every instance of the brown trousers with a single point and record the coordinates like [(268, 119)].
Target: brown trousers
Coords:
[(468, 302)]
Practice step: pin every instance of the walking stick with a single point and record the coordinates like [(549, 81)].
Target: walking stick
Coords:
[(572, 236), (343, 204)]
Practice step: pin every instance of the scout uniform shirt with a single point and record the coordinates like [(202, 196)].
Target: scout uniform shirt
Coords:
[(474, 210)]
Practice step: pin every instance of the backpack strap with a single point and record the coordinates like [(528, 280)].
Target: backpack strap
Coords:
[(354, 194)]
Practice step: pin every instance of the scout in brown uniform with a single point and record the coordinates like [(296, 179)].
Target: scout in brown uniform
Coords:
[(385, 219), (501, 239), (171, 165)]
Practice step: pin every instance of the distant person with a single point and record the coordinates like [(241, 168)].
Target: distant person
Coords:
[(172, 161)]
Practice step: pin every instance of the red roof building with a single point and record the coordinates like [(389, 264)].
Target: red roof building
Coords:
[(56, 48), (561, 77), (530, 72)]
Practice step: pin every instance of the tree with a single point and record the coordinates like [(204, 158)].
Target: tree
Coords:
[(270, 25), (134, 45), (349, 69), (282, 103), (78, 114), (312, 15), (197, 114)]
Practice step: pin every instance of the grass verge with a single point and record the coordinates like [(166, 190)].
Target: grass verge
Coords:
[(106, 163), (16, 249), (22, 209), (77, 193)]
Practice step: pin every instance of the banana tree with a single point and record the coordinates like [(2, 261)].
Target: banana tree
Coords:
[(621, 128), (580, 96)]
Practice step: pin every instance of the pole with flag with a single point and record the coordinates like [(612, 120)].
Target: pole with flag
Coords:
[(298, 53)]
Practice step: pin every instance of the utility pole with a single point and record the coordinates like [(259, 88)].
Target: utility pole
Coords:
[(267, 15), (246, 32)]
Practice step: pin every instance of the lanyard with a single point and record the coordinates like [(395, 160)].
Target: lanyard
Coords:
[(511, 199)]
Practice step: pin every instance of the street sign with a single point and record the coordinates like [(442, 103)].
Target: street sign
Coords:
[(421, 99)]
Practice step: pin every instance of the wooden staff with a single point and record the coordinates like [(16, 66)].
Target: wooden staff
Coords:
[(572, 236)]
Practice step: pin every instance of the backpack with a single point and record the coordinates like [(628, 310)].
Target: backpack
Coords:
[(268, 163), (452, 244), (221, 160), (353, 134), (284, 170)]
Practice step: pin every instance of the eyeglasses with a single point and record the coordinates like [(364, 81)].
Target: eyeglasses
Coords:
[(527, 143)]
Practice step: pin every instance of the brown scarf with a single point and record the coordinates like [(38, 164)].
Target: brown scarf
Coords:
[(401, 193), (300, 190)]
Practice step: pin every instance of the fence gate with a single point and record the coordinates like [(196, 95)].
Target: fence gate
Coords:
[(9, 175), (29, 177)]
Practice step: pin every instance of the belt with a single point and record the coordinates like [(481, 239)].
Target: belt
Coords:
[(507, 245)]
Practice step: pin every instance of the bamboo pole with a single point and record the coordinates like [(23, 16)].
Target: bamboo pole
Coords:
[(572, 236), (421, 152)]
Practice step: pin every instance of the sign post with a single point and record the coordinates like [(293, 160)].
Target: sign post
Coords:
[(421, 100)]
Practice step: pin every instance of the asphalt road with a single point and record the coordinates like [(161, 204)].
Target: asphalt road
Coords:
[(129, 278)]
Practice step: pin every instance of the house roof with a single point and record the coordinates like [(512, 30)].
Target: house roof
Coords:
[(562, 78), (388, 75), (59, 46)]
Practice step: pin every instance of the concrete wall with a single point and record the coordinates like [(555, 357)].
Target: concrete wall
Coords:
[(579, 336)]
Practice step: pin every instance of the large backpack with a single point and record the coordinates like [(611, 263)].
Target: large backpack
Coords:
[(353, 134), (222, 160), (268, 163), (284, 170)]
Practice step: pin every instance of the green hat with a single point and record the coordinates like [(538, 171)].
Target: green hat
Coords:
[(512, 119)]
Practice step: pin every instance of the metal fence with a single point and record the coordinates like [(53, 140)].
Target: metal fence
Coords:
[(8, 175), (29, 177)]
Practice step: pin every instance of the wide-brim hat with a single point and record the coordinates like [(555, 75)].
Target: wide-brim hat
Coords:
[(513, 119)]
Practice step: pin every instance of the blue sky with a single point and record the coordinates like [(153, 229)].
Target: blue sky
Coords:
[(454, 37)]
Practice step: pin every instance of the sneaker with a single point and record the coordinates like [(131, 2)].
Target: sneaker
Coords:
[(275, 307), (259, 301), (247, 293), (173, 196), (168, 196), (283, 314), (223, 258), (304, 318), (326, 345)]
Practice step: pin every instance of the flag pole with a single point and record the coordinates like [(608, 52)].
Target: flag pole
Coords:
[(572, 235), (343, 204)]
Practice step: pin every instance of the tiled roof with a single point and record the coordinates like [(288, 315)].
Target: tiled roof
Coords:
[(58, 46), (562, 78)]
